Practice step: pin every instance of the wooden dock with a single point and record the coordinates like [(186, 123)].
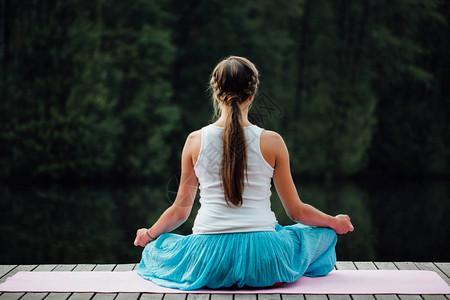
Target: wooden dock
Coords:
[(443, 269)]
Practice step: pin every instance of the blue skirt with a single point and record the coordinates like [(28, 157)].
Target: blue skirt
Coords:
[(254, 259)]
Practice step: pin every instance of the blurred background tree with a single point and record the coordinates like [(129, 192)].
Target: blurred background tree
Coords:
[(412, 71), (86, 90), (109, 90)]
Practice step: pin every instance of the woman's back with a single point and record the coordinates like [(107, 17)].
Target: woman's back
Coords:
[(234, 162), (215, 214)]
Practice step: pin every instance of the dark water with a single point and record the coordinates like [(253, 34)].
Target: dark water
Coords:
[(395, 221)]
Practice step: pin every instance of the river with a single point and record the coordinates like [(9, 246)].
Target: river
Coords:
[(394, 221)]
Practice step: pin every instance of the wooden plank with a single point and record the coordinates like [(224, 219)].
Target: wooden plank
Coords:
[(103, 268), (221, 296), (151, 297), (11, 296), (25, 296), (406, 265), (363, 297), (58, 296), (434, 297), (17, 269), (339, 297), (81, 296), (267, 297), (291, 297), (316, 297), (431, 267), (5, 269), (386, 297), (242, 297), (34, 296), (444, 267), (15, 296), (198, 296), (64, 268), (127, 296), (365, 265), (345, 265), (385, 265), (175, 297), (104, 296), (124, 267), (83, 267), (44, 268), (410, 297)]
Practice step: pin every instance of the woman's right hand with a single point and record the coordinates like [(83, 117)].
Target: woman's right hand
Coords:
[(142, 237), (342, 224)]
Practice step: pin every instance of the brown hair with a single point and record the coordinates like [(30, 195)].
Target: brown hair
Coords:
[(233, 81)]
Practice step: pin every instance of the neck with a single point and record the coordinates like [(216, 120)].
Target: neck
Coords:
[(226, 110)]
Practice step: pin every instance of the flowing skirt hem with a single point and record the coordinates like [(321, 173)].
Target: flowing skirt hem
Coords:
[(250, 259)]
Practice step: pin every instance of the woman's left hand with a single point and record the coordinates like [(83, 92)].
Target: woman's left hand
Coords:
[(342, 224), (142, 238)]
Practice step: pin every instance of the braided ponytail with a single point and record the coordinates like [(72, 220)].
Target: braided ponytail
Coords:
[(234, 160), (233, 81)]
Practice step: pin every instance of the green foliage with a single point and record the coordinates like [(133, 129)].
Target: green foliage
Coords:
[(333, 113), (139, 55), (87, 96), (413, 132), (96, 89)]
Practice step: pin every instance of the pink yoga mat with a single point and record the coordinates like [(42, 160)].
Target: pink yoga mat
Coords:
[(337, 282)]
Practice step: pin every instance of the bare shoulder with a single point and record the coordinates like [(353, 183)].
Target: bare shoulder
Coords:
[(270, 134), (271, 139), (192, 146), (271, 144), (194, 135), (193, 141)]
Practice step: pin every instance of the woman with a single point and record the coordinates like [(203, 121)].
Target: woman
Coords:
[(236, 240)]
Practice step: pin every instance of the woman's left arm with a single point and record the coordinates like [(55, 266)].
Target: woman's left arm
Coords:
[(180, 210)]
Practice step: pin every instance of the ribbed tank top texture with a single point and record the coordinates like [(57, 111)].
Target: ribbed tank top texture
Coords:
[(214, 215)]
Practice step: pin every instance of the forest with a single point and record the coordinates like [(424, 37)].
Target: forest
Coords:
[(107, 91)]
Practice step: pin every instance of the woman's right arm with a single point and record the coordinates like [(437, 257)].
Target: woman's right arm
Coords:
[(275, 151), (179, 211)]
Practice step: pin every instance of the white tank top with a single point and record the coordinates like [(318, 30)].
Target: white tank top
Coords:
[(214, 215)]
